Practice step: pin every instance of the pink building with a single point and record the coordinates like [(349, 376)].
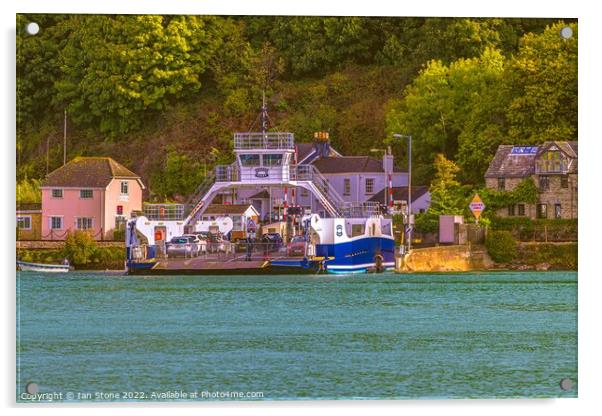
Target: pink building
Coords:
[(89, 193)]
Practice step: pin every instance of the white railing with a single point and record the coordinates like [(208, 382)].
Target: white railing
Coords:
[(246, 141)]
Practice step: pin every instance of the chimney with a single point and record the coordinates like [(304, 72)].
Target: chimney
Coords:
[(388, 161), (322, 143)]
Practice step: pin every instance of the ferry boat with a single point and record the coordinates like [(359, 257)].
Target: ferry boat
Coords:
[(344, 237)]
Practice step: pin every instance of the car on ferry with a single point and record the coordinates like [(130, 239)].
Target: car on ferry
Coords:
[(183, 246), (296, 247)]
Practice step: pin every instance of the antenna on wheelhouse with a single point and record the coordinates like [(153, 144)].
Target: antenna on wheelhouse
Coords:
[(264, 114)]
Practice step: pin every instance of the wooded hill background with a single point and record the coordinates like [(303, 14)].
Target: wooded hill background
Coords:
[(163, 94)]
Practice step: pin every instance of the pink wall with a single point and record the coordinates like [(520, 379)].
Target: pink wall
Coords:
[(130, 202), (102, 208), (70, 207)]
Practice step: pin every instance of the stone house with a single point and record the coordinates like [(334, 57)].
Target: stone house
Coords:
[(553, 166)]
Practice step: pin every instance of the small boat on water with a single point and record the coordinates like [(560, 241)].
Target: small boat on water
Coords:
[(41, 267)]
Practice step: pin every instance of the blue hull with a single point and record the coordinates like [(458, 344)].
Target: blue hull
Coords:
[(358, 256)]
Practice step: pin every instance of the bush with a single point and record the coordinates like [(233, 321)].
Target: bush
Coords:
[(119, 235), (501, 246), (80, 247)]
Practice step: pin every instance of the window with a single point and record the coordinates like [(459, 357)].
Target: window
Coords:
[(56, 223), (511, 210), (521, 209), (84, 223), (125, 187), (304, 192), (346, 186), (542, 211), (557, 211), (551, 161), (249, 160), (544, 182), (57, 193), (501, 184), (24, 222), (369, 185), (272, 160), (85, 193), (564, 181)]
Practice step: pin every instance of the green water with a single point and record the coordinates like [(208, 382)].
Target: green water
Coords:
[(297, 337)]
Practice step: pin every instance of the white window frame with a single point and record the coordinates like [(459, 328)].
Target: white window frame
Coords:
[(23, 217), (50, 218), (58, 190), (85, 197), (346, 186), (371, 191), (80, 219), (127, 188)]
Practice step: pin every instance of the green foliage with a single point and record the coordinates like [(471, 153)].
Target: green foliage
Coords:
[(79, 248), (28, 191), (448, 196), (542, 80), (121, 68), (526, 229), (101, 258), (466, 108), (558, 256), (179, 176), (132, 85), (501, 246), (525, 192), (119, 235)]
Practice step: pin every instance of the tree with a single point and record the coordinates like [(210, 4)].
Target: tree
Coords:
[(80, 247), (447, 196), (178, 178), (542, 80), (456, 110), (118, 69)]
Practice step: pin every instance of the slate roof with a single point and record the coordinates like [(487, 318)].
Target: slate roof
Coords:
[(29, 206), (261, 195), (88, 172), (400, 193), (350, 164), (506, 165), (225, 209)]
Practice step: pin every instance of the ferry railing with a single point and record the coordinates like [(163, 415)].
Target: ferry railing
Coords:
[(312, 174), (360, 209), (166, 212), (202, 189), (227, 173), (272, 140)]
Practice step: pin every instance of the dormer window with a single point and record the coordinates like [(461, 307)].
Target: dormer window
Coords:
[(552, 161)]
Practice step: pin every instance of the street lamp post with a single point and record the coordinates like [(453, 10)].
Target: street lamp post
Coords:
[(386, 187), (409, 137)]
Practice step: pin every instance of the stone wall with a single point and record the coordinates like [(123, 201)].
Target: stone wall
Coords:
[(46, 245), (556, 194), (457, 258)]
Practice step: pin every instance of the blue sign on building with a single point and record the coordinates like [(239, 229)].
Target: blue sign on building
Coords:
[(524, 150)]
